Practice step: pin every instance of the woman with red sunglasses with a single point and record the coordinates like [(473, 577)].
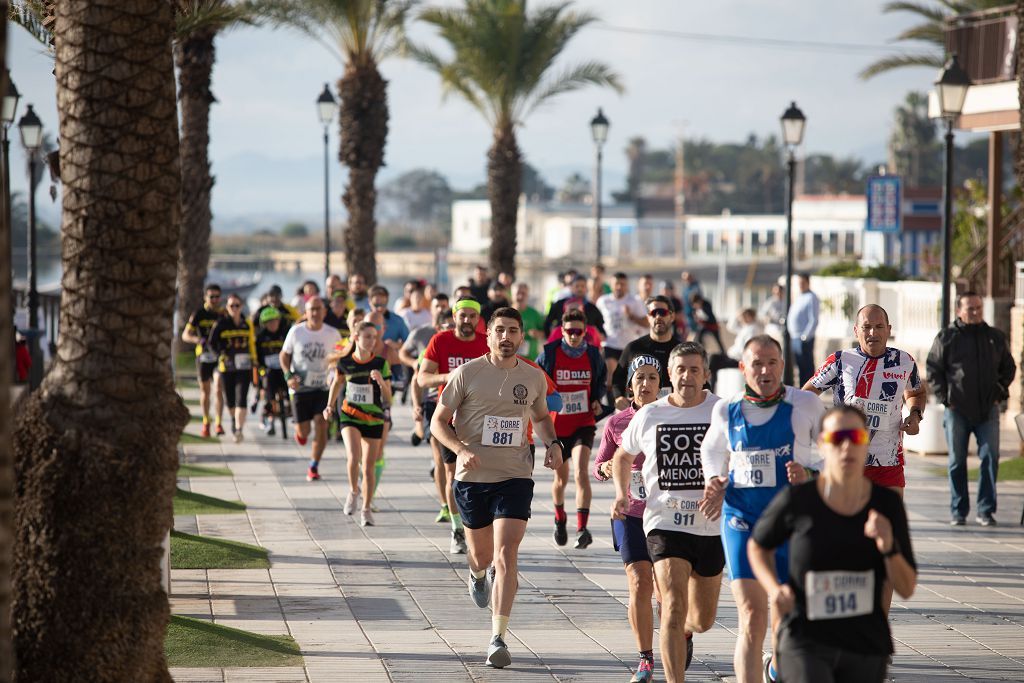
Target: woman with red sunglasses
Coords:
[(847, 538)]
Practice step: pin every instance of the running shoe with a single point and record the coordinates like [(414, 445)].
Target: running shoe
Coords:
[(205, 431), (366, 518), (443, 515), (644, 671), (300, 439), (415, 439), (458, 546), (480, 590), (957, 521), (986, 520), (271, 431), (220, 430), (374, 508), (351, 500), (254, 406), (583, 539), (689, 651), (497, 653), (767, 659), (561, 535), (313, 474), (239, 437)]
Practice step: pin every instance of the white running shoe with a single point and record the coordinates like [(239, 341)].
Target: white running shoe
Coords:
[(350, 502), (366, 518)]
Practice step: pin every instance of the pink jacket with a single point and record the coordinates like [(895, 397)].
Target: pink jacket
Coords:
[(610, 442)]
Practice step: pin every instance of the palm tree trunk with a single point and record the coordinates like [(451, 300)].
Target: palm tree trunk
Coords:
[(6, 376), (194, 57), (95, 445), (363, 117), (504, 183)]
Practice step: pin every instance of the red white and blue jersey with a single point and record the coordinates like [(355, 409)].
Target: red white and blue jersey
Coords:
[(876, 386)]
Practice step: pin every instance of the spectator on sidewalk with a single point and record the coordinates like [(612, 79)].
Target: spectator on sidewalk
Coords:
[(970, 369), (802, 324), (773, 313)]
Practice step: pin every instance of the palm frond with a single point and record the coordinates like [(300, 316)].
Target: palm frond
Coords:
[(925, 11), (31, 15), (928, 33), (192, 16), (902, 61), (573, 78)]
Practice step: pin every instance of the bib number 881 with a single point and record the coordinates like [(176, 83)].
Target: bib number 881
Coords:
[(501, 438)]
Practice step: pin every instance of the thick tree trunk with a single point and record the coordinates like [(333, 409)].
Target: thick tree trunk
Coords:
[(194, 57), (6, 377), (504, 183), (1018, 149), (95, 445), (364, 131)]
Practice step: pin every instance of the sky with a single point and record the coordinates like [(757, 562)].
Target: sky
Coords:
[(266, 140)]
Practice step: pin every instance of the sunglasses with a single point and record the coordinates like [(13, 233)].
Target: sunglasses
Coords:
[(573, 331), (234, 305), (857, 437), (658, 312)]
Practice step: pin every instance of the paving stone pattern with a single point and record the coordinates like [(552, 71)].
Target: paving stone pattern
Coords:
[(389, 603)]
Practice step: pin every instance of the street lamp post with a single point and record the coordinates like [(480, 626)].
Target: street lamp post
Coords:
[(599, 130), (327, 107), (951, 89), (793, 122), (8, 108), (31, 129)]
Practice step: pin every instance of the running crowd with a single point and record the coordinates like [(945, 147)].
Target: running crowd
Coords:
[(799, 504)]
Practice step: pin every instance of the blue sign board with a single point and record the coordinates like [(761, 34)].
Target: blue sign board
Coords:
[(885, 200)]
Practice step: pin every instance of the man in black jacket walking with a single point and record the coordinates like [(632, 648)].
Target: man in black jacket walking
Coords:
[(970, 369)]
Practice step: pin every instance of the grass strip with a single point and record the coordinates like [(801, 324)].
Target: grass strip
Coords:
[(200, 552), (189, 470), (198, 643), (191, 503)]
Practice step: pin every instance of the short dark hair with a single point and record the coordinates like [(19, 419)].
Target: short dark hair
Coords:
[(843, 409), (440, 296), (212, 288), (378, 290), (763, 340), (575, 315), (620, 276), (443, 316), (964, 295), (659, 299), (506, 312), (646, 276), (690, 348), (804, 276)]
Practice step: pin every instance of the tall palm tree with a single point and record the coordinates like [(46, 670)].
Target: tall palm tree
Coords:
[(95, 445), (361, 34), (198, 23), (501, 64), (930, 33)]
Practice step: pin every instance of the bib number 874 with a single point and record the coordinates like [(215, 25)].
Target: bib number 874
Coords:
[(501, 438)]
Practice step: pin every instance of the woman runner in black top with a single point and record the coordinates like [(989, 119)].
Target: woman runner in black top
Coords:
[(233, 340), (847, 537)]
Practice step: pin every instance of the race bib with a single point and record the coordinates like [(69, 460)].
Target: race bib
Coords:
[(505, 432), (315, 379), (838, 594), (243, 361), (273, 362), (358, 393), (637, 488), (208, 357), (874, 407), (678, 512), (752, 469), (574, 403)]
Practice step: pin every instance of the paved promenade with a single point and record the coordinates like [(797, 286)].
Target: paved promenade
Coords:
[(389, 603)]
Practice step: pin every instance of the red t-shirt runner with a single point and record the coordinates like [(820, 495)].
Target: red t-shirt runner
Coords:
[(449, 352), (572, 378)]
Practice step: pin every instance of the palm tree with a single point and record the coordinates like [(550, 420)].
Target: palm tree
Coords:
[(361, 34), (931, 32), (501, 64), (95, 445)]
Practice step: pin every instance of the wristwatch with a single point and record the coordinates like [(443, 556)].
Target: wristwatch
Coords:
[(894, 550), (920, 413)]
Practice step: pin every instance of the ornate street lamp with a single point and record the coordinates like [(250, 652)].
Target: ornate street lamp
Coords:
[(8, 108), (31, 129), (326, 107), (951, 89), (793, 122), (599, 130)]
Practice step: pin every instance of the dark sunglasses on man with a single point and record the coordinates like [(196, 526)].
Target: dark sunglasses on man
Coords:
[(572, 331), (658, 312)]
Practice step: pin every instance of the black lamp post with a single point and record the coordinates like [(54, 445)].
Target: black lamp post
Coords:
[(599, 130), (793, 122), (31, 129), (8, 108), (326, 107), (951, 89)]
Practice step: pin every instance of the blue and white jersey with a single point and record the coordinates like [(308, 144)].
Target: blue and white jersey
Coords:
[(751, 445)]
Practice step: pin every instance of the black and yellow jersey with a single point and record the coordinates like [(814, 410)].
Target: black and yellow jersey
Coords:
[(234, 344), (200, 324), (268, 348)]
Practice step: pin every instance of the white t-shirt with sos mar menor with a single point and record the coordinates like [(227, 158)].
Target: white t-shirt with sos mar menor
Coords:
[(309, 351)]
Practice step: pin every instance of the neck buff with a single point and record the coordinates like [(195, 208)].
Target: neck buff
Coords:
[(752, 397), (573, 352)]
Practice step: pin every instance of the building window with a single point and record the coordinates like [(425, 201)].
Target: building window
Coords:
[(694, 242), (709, 243), (849, 248), (770, 242), (801, 245)]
